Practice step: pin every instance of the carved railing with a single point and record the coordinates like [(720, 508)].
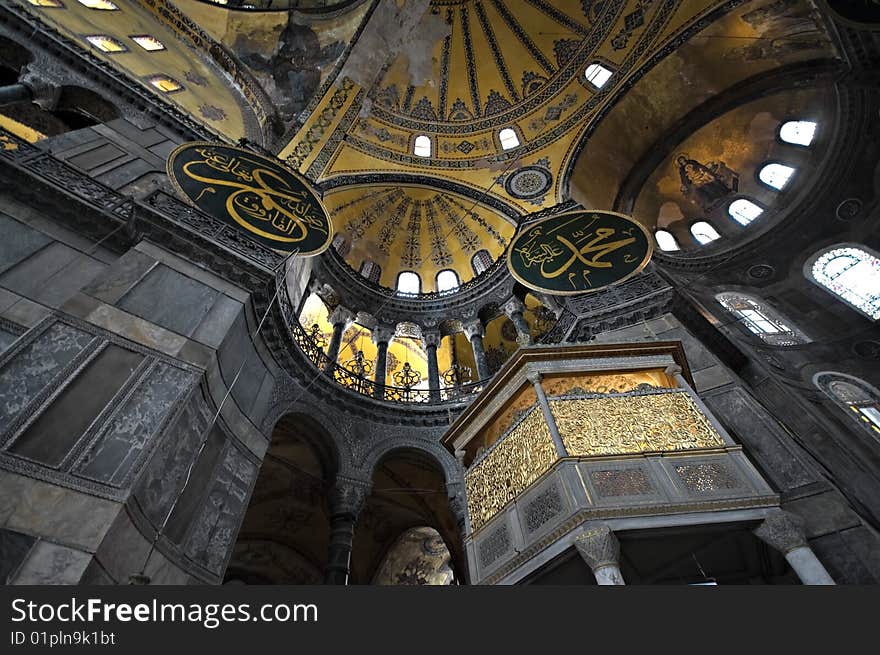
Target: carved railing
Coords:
[(349, 379)]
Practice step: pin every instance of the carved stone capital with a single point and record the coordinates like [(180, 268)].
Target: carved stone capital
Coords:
[(431, 337), (347, 497), (44, 90), (341, 315), (782, 531), (598, 546), (513, 306), (474, 328), (534, 376), (383, 333)]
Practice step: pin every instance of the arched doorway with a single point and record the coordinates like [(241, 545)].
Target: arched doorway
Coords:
[(285, 534), (406, 518)]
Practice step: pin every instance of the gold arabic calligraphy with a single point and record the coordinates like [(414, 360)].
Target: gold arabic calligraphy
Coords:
[(554, 253), (260, 195)]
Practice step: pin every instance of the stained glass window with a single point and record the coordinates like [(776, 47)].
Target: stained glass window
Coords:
[(761, 319), (852, 274)]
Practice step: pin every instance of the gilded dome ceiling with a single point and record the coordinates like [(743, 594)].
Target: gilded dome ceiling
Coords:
[(417, 228), (434, 127)]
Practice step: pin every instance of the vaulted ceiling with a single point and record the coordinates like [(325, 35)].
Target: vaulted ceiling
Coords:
[(344, 94)]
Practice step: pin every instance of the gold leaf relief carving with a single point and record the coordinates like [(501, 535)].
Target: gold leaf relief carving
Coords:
[(510, 467), (622, 425)]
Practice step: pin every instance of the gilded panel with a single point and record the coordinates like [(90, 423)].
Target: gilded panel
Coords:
[(620, 425), (605, 382), (509, 468)]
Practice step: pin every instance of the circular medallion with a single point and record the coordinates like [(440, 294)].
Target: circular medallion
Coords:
[(761, 271), (580, 251), (257, 195), (867, 350), (849, 209), (528, 182)]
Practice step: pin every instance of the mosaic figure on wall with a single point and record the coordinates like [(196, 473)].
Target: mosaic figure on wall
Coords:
[(706, 185)]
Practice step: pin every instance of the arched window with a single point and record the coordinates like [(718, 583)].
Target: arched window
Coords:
[(481, 261), (447, 280), (597, 75), (508, 139), (704, 232), (340, 245), (665, 241), (371, 270), (106, 43), (744, 211), (775, 175), (761, 319), (799, 133), (104, 5), (857, 398), (850, 272), (409, 282), (422, 146)]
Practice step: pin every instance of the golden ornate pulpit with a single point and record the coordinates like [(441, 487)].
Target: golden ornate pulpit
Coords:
[(565, 435)]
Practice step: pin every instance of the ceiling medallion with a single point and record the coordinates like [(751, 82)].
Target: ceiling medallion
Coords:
[(867, 350), (761, 271), (849, 209), (528, 182)]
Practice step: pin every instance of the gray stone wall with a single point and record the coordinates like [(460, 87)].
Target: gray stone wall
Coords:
[(112, 370)]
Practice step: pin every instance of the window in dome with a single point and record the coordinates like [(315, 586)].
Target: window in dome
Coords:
[(775, 175), (447, 280), (481, 261), (744, 211), (508, 139), (761, 319), (48, 4), (799, 133), (371, 270), (148, 42), (409, 283), (704, 232), (103, 5), (422, 146), (851, 273), (165, 84), (106, 43), (597, 75), (665, 241), (857, 398)]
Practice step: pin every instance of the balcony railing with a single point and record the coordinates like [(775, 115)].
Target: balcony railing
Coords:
[(361, 384)]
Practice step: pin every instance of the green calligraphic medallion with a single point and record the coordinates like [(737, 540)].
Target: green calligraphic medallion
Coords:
[(269, 203), (579, 251)]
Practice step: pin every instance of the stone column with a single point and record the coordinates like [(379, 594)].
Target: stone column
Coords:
[(475, 332), (382, 335), (784, 531), (340, 319), (432, 341), (535, 378), (601, 551), (347, 498), (514, 309)]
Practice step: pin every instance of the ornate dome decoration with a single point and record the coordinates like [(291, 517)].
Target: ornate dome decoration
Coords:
[(415, 228)]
